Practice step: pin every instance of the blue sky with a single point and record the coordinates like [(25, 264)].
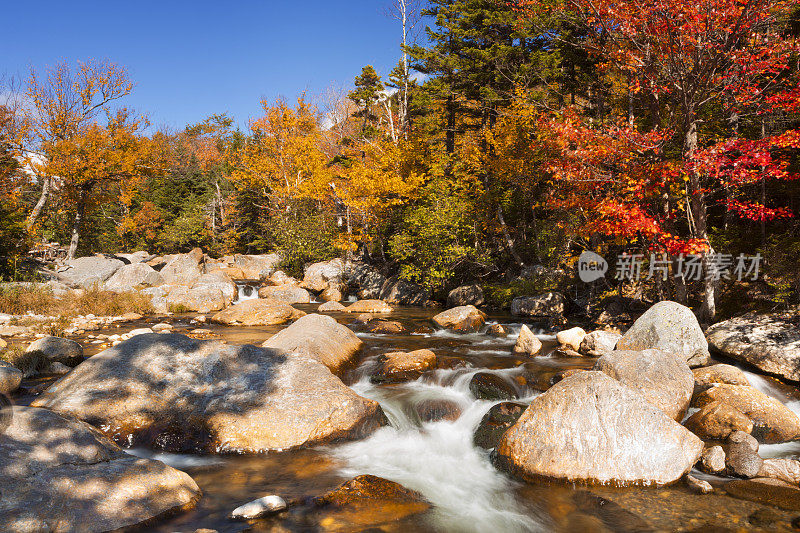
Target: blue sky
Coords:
[(191, 59)]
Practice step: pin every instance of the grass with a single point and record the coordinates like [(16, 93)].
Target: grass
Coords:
[(18, 300), (30, 363)]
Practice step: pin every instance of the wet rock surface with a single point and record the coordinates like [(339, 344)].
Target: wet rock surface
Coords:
[(396, 367), (496, 422), (257, 313), (463, 319)]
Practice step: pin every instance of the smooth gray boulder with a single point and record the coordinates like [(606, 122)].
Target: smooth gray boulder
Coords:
[(320, 336), (549, 305), (86, 272), (664, 379), (465, 295), (10, 377), (59, 474), (133, 276), (669, 327), (590, 427), (771, 343), (181, 394), (58, 350)]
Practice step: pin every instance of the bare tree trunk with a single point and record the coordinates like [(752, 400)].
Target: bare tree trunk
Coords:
[(76, 227), (507, 236), (699, 228), (37, 209)]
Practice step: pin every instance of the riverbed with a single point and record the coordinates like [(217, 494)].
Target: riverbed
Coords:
[(437, 458)]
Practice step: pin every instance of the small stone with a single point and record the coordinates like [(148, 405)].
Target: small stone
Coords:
[(258, 508), (527, 342), (741, 456), (139, 331), (330, 306), (744, 439), (713, 460), (700, 486), (571, 338), (163, 326), (497, 330)]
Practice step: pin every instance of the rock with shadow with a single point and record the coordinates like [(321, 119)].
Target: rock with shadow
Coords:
[(60, 474), (175, 393)]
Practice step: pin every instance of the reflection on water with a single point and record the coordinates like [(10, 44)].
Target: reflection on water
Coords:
[(437, 458)]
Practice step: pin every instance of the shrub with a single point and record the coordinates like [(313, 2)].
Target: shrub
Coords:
[(30, 363)]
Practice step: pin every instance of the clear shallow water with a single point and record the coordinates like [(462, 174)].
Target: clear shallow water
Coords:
[(438, 458)]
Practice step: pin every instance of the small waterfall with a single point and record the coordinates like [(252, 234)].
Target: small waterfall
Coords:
[(246, 291), (786, 449), (438, 459)]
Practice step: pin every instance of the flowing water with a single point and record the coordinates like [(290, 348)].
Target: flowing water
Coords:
[(438, 458)]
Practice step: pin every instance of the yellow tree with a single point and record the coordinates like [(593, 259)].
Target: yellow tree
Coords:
[(65, 104), (283, 157)]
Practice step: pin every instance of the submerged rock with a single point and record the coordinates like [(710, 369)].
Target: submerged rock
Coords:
[(773, 422), (257, 312), (589, 427), (433, 410), (771, 492), (171, 392), (385, 327), (669, 327), (527, 342), (488, 386), (496, 422), (395, 367), (464, 319), (369, 306), (58, 350), (320, 336), (60, 474), (664, 379), (369, 500), (771, 343)]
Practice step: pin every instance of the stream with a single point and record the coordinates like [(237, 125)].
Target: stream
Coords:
[(438, 458)]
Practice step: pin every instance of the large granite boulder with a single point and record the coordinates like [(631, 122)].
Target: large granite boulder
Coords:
[(183, 269), (318, 276), (463, 319), (217, 281), (589, 427), (10, 378), (133, 276), (771, 343), (322, 337), (256, 267), (664, 379), (290, 294), (172, 392), (465, 295), (598, 343), (183, 299), (773, 422), (669, 327), (58, 350), (257, 312), (140, 256), (401, 292), (60, 474), (86, 272), (549, 305)]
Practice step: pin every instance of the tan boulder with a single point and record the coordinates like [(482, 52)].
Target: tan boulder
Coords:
[(369, 306), (290, 294), (664, 379), (708, 376), (773, 422), (257, 312), (206, 396), (715, 421), (320, 336), (571, 338), (395, 367), (60, 474), (590, 427), (527, 343), (463, 319)]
